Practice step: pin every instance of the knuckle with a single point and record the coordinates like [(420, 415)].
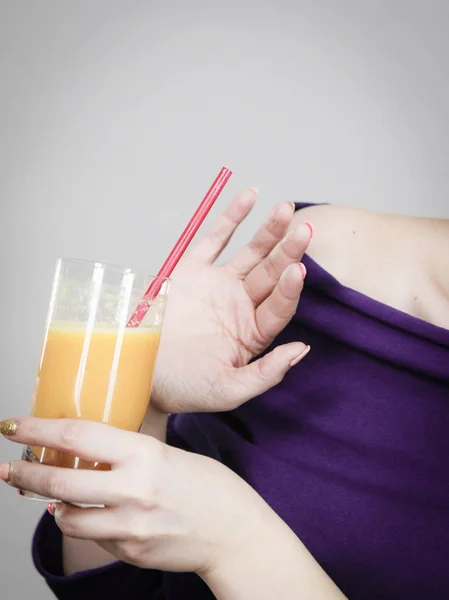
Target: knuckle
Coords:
[(270, 268), (145, 494), (144, 449), (70, 434), (65, 526), (134, 496), (129, 553), (31, 426), (218, 232), (15, 474), (256, 247), (68, 527), (260, 372), (55, 486), (269, 367), (137, 528), (295, 242), (279, 307), (274, 227), (141, 497), (150, 451)]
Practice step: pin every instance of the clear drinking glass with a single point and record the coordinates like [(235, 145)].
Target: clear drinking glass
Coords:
[(92, 365)]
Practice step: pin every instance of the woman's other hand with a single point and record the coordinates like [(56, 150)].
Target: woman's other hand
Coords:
[(219, 318)]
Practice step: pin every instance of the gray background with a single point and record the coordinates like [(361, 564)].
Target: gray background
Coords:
[(116, 116)]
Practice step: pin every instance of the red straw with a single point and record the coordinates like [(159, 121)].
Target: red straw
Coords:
[(181, 245)]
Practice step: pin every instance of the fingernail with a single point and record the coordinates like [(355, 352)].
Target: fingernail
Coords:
[(254, 189), (311, 227), (303, 269), (4, 471), (293, 205), (304, 353), (9, 427), (51, 507)]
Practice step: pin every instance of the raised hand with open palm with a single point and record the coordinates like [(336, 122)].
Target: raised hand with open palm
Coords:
[(219, 318)]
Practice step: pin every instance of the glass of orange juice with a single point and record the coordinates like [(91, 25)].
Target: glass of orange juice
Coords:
[(93, 365)]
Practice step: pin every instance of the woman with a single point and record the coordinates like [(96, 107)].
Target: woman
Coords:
[(343, 454)]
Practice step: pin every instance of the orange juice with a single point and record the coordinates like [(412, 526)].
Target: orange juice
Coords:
[(104, 377)]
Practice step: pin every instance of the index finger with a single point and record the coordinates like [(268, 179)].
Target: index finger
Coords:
[(88, 440), (218, 237)]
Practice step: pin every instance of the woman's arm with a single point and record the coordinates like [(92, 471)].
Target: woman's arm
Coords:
[(167, 510), (266, 258), (273, 564)]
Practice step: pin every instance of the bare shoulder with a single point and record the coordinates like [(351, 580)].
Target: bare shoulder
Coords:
[(347, 240), (398, 260)]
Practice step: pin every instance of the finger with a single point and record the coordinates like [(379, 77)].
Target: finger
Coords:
[(110, 524), (88, 523), (266, 238), (263, 278), (261, 375), (273, 315), (216, 240), (86, 439), (71, 485)]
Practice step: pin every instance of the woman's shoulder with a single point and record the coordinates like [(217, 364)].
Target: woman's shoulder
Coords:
[(347, 242), (396, 260)]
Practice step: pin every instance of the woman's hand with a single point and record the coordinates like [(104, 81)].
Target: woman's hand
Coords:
[(219, 318), (165, 508)]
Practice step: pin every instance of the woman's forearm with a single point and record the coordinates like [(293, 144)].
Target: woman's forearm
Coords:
[(81, 555), (276, 565), (267, 560)]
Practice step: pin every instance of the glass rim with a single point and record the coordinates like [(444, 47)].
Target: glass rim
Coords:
[(111, 267)]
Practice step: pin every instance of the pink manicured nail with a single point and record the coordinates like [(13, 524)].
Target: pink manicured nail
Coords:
[(304, 353), (303, 269), (51, 508), (311, 227)]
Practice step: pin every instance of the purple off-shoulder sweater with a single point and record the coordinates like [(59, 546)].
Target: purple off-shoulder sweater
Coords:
[(351, 450)]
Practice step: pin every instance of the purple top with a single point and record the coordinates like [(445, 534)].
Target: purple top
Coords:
[(351, 450)]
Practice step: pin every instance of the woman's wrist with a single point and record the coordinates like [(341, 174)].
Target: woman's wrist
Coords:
[(271, 563)]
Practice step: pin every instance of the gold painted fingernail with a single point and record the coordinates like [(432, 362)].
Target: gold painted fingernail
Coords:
[(9, 427), (293, 205)]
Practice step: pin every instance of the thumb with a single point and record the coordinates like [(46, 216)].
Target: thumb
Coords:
[(261, 375)]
